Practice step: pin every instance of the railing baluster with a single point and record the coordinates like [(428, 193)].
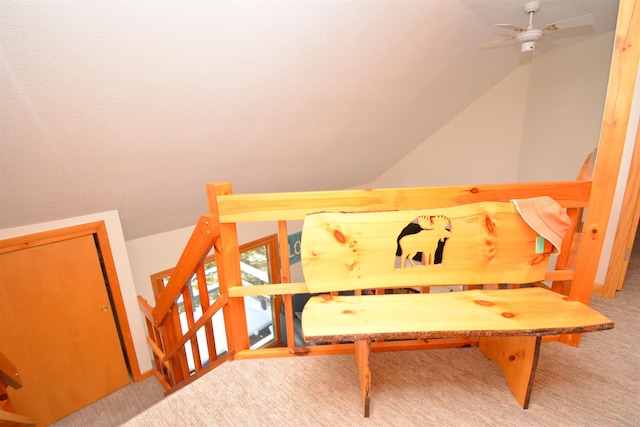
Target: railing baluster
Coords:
[(171, 333), (283, 240), (188, 310), (205, 303)]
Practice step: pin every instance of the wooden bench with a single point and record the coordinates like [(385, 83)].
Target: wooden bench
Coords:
[(474, 244)]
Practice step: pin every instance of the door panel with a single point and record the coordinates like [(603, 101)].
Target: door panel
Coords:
[(58, 328)]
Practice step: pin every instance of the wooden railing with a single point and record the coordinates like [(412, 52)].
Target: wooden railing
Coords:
[(165, 336), (218, 231), (232, 209), (9, 377)]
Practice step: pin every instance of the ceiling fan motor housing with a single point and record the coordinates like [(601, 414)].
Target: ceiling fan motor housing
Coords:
[(528, 39)]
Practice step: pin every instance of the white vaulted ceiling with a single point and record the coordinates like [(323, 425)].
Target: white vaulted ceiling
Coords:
[(135, 105)]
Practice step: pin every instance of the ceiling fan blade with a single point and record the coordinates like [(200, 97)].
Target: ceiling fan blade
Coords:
[(578, 21), (511, 27), (496, 43)]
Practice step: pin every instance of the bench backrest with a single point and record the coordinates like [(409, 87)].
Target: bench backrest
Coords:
[(479, 243)]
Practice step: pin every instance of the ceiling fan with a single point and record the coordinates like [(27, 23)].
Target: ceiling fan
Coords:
[(528, 36)]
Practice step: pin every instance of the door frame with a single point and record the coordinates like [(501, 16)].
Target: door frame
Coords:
[(627, 226), (99, 230)]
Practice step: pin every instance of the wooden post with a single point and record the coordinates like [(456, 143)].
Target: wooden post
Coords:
[(622, 78), (518, 358), (362, 351), (627, 227), (286, 278), (227, 254)]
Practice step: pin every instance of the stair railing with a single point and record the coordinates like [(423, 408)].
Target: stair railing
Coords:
[(9, 377), (165, 336)]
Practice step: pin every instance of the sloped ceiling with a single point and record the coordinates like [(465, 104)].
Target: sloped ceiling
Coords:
[(133, 106)]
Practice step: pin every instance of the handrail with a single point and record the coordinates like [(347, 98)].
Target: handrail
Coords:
[(145, 308), (9, 375), (202, 239), (295, 205), (268, 289), (10, 419), (157, 351)]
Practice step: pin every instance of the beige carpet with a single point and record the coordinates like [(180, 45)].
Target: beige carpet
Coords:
[(596, 384)]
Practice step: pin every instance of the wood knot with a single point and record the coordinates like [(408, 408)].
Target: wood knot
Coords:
[(543, 257), (326, 297), (484, 303), (347, 311), (489, 225), (512, 358), (339, 236), (299, 351), (508, 315), (475, 190)]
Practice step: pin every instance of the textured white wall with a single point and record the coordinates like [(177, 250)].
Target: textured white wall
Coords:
[(480, 145), (564, 109), (537, 124)]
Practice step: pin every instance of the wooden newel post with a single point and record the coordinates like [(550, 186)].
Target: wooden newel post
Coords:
[(624, 68), (227, 255)]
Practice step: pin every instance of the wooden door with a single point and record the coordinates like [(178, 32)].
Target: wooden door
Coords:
[(57, 326)]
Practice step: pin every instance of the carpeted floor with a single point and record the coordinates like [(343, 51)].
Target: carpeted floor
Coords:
[(596, 384)]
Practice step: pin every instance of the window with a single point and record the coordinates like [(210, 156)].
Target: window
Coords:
[(259, 265)]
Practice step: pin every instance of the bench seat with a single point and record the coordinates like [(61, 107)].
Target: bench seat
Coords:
[(483, 243), (509, 324), (476, 313)]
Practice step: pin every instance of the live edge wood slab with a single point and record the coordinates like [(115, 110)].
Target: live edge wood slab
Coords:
[(481, 243), (476, 313)]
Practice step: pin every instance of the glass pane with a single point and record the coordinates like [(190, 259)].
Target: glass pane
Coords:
[(254, 266), (217, 321)]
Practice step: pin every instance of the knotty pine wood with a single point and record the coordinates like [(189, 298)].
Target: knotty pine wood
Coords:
[(525, 311), (234, 208), (488, 242), (627, 226), (622, 79), (227, 253), (518, 359), (362, 352)]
